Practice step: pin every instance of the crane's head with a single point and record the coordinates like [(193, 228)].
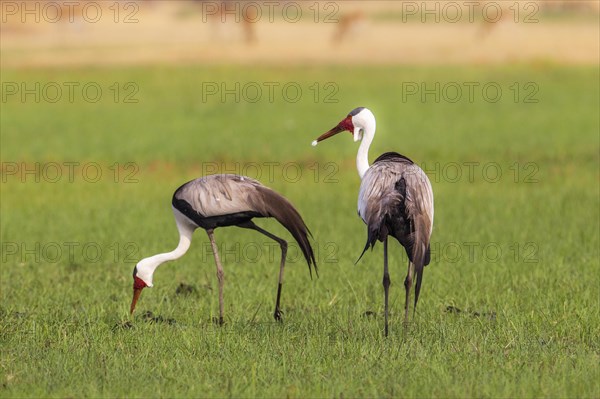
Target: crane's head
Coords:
[(142, 278), (358, 121)]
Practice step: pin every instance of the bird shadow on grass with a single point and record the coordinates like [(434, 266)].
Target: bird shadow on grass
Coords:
[(148, 317), (491, 315), (184, 289)]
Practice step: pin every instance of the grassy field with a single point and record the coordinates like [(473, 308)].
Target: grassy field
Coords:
[(510, 302)]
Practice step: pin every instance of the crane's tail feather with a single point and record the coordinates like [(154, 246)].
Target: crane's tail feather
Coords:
[(421, 257), (372, 235), (277, 206), (363, 252), (418, 285)]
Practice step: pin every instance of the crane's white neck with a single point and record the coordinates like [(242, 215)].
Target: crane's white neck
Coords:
[(362, 157), (147, 266)]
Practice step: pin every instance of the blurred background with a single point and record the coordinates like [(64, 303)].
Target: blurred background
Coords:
[(95, 33)]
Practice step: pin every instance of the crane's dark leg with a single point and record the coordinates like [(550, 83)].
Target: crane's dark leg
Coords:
[(220, 274), (284, 245), (386, 282), (407, 285)]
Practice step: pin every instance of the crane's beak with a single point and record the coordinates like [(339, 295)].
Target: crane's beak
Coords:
[(136, 295), (346, 124)]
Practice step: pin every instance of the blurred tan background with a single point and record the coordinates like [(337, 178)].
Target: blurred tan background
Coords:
[(57, 33)]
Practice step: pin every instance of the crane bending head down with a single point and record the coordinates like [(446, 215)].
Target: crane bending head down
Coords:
[(225, 200)]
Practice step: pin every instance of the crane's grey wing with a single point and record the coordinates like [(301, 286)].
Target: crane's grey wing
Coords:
[(396, 198), (377, 191), (218, 195), (222, 195), (418, 202)]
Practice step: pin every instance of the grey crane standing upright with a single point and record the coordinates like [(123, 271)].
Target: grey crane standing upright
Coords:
[(226, 200), (395, 199)]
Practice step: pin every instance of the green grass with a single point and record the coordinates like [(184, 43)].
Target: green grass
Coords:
[(529, 321)]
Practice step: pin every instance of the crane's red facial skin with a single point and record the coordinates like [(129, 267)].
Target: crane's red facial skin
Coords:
[(345, 124), (138, 283), (138, 286)]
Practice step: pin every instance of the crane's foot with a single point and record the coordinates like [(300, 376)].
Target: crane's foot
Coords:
[(277, 315), (218, 321)]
